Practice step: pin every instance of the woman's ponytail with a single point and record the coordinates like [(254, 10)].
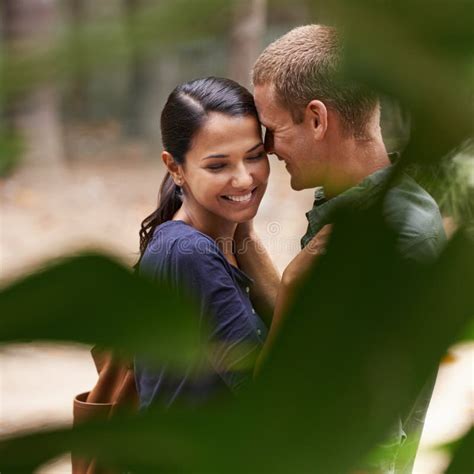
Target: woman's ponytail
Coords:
[(169, 201)]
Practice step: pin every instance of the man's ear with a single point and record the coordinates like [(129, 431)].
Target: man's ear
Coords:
[(316, 115), (174, 169)]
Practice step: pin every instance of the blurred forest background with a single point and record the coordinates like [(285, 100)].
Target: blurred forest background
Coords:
[(83, 84), (93, 116)]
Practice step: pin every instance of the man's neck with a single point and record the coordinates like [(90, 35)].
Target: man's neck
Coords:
[(358, 158)]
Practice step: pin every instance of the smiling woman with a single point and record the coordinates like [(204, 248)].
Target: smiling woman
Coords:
[(224, 176), (217, 176)]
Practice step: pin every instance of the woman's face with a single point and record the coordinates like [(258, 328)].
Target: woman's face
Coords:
[(226, 170)]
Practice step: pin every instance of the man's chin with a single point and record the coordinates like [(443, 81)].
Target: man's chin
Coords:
[(299, 183), (296, 184)]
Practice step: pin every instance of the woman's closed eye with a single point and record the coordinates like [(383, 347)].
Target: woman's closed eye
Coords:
[(257, 157), (216, 167), (219, 166)]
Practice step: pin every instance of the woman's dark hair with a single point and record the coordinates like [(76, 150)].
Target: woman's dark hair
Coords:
[(184, 114)]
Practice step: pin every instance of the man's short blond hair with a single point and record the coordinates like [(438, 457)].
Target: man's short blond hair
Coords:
[(304, 65)]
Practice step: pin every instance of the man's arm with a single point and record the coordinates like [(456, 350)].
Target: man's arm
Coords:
[(292, 278), (255, 261)]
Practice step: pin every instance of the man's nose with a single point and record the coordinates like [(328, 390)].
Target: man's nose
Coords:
[(242, 179), (268, 142)]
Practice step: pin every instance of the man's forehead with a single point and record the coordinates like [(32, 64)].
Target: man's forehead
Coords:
[(264, 94), (266, 102), (270, 111)]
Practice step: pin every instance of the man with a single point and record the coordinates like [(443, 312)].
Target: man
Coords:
[(327, 132)]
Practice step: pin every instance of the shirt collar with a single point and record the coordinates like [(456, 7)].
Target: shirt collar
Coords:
[(357, 196)]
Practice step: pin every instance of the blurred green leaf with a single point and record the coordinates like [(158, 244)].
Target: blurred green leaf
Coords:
[(93, 300), (451, 183), (11, 147), (347, 362), (399, 48), (469, 333), (463, 460), (355, 345)]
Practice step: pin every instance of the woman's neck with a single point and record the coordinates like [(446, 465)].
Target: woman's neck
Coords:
[(219, 229)]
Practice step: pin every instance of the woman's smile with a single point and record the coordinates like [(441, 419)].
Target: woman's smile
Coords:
[(241, 198)]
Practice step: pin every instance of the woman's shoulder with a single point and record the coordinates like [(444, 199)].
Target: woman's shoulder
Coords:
[(181, 241), (177, 248)]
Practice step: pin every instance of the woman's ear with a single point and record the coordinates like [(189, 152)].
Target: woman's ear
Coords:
[(316, 115), (173, 168)]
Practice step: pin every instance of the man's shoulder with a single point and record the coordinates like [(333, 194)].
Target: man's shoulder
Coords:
[(415, 216), (408, 204)]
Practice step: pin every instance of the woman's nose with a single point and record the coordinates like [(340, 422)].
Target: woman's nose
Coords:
[(242, 179)]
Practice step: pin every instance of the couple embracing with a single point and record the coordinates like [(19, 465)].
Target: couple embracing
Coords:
[(201, 236)]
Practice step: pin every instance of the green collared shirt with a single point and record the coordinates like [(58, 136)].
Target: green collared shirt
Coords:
[(408, 209), (414, 216)]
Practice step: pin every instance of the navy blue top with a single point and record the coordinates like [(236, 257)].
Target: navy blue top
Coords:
[(192, 262)]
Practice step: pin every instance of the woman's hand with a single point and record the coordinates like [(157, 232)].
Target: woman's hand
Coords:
[(301, 265), (244, 231), (255, 261)]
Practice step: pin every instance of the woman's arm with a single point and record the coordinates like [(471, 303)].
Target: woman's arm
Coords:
[(255, 261), (202, 272), (293, 276)]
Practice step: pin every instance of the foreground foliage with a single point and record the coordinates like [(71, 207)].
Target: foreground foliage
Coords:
[(316, 407)]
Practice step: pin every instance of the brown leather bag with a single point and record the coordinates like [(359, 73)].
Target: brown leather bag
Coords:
[(114, 391)]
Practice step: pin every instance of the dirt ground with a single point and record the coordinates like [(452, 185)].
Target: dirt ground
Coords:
[(47, 213)]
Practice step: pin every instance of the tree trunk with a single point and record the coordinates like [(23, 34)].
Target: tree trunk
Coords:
[(249, 24), (30, 25), (142, 79), (76, 96)]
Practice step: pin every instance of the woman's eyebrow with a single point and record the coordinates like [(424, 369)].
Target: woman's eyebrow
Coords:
[(217, 155), (254, 147), (221, 155)]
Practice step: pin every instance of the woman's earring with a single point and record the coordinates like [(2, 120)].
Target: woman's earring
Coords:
[(178, 183)]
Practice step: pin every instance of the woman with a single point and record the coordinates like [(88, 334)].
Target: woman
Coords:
[(217, 176)]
